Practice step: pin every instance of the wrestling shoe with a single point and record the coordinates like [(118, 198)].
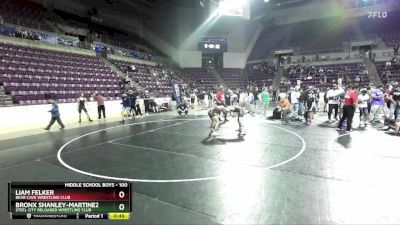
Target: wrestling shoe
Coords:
[(215, 134)]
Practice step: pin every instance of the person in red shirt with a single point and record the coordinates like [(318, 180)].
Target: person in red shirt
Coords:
[(349, 106), (220, 100), (220, 97)]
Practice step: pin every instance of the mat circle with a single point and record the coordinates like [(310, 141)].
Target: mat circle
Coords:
[(166, 180)]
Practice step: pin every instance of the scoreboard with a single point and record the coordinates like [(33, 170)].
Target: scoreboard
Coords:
[(213, 44), (70, 200)]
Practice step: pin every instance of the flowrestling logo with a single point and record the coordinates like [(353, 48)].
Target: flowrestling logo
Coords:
[(377, 15)]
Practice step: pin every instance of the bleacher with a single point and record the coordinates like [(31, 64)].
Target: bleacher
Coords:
[(322, 36), (261, 75), (312, 77), (33, 75), (388, 72), (24, 13), (234, 78), (392, 40), (152, 78), (201, 76)]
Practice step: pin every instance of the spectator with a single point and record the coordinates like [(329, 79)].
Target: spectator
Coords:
[(284, 105), (250, 101), (100, 105), (183, 109), (396, 50), (55, 115), (265, 100), (363, 100), (126, 107), (394, 97), (377, 103), (192, 96), (219, 97), (302, 102), (350, 104), (333, 102), (388, 102), (256, 94), (138, 110), (294, 98), (132, 97), (201, 97), (323, 101), (357, 79), (310, 105), (210, 98)]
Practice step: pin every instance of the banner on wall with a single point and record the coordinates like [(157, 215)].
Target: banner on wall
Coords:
[(100, 47), (38, 35), (49, 39), (8, 30)]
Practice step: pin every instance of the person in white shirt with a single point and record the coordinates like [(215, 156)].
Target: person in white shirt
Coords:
[(242, 99), (250, 101), (294, 101), (281, 96), (333, 102), (363, 100), (322, 103)]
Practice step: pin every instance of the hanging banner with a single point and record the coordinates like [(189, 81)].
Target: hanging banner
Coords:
[(177, 91)]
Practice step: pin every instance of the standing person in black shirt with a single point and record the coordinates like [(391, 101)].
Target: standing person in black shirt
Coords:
[(82, 102), (310, 105), (396, 50), (302, 101), (192, 99), (256, 92), (132, 96), (147, 102), (138, 110), (394, 97), (210, 99), (228, 96), (201, 99)]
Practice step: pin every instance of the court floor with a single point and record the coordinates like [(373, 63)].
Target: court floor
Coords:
[(276, 174)]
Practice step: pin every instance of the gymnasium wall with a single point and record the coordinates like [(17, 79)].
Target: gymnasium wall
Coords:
[(35, 44), (234, 60), (21, 118), (190, 59)]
